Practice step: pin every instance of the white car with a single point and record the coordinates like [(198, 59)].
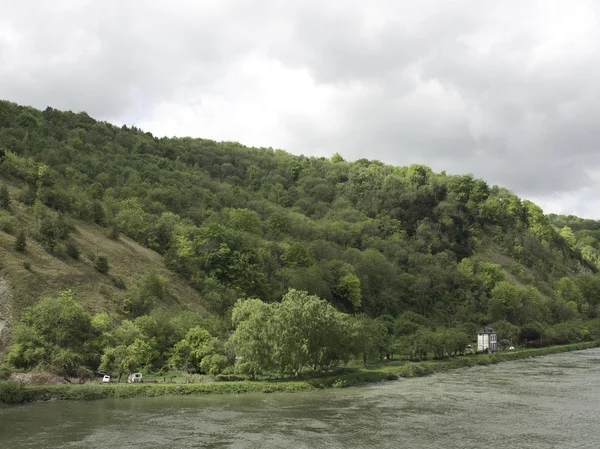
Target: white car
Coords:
[(134, 378), (106, 379)]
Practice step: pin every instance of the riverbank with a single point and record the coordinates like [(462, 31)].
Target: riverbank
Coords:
[(11, 393)]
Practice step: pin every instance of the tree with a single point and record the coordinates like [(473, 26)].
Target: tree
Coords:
[(214, 364), (568, 291), (346, 286), (303, 331), (252, 339), (191, 351), (297, 255), (53, 334), (457, 341), (308, 332), (505, 302), (122, 359), (371, 339), (151, 289), (21, 241), (4, 198), (101, 264), (567, 234)]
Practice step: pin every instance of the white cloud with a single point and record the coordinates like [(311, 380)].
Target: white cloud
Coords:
[(507, 91)]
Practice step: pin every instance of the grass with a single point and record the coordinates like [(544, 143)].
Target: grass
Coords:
[(11, 393)]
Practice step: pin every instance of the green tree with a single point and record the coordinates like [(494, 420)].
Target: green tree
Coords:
[(252, 339), (21, 241), (4, 198), (505, 302), (101, 264), (191, 351), (567, 234), (308, 332), (371, 340), (53, 334), (138, 356), (214, 364)]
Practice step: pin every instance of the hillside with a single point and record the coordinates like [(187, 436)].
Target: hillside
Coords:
[(220, 221), (50, 273)]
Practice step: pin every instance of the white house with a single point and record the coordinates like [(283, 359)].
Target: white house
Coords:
[(487, 340)]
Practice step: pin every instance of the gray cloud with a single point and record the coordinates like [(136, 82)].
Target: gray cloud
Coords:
[(507, 91)]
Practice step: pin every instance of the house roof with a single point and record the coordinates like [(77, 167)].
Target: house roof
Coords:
[(486, 330)]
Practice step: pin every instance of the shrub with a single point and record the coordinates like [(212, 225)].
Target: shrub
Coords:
[(118, 282), (7, 223), (113, 232), (5, 371), (60, 250), (4, 198), (27, 265), (101, 264), (11, 393), (28, 196), (21, 241), (52, 229), (72, 250)]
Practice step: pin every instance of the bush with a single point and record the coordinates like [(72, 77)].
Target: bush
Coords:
[(72, 250), (7, 223), (52, 229), (60, 250), (28, 196), (113, 232), (4, 198), (101, 264), (27, 265), (5, 371), (118, 282), (21, 241), (11, 393)]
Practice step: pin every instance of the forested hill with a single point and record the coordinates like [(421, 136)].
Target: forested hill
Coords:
[(237, 222)]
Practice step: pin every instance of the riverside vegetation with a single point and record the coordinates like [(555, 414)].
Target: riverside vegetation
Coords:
[(192, 255)]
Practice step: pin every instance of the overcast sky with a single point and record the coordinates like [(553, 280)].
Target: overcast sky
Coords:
[(506, 90)]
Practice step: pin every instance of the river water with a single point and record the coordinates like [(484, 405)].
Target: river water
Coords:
[(546, 402)]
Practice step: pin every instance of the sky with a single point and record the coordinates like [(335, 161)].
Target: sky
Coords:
[(506, 90)]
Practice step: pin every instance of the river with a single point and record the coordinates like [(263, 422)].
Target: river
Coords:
[(546, 402)]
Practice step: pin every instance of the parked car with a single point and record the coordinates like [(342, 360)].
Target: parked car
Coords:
[(134, 378), (106, 379)]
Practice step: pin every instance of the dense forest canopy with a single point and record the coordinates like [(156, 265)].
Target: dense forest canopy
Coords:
[(409, 247)]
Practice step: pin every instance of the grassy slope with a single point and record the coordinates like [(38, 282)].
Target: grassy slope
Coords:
[(49, 275)]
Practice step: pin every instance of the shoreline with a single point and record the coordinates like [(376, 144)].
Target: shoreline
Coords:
[(11, 393)]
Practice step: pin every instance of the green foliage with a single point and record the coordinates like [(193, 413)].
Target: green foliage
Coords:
[(122, 359), (371, 340), (214, 364), (192, 351), (240, 223), (301, 331), (151, 289), (21, 241), (101, 264), (5, 371), (52, 228), (252, 338), (11, 393), (72, 250), (53, 334), (4, 198), (7, 222)]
